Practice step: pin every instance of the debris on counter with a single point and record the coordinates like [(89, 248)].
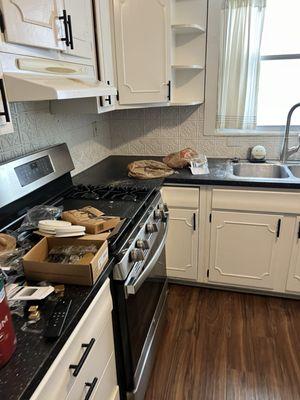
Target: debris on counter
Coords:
[(92, 219), (7, 242), (149, 169), (180, 159)]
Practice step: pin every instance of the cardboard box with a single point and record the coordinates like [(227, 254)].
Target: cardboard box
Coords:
[(37, 269), (93, 219)]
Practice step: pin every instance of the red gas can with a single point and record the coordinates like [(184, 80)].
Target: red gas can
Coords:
[(7, 335)]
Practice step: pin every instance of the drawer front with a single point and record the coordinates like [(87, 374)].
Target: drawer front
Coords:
[(107, 388), (255, 200), (96, 363), (180, 197), (59, 379)]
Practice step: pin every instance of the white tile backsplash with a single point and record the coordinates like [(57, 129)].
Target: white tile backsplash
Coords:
[(152, 131), (159, 131), (87, 136)]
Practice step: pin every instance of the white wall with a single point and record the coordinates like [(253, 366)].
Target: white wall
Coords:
[(159, 131), (88, 137)]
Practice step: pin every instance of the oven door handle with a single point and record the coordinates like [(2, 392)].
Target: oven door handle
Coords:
[(131, 288)]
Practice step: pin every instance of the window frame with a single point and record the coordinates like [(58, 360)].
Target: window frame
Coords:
[(212, 77)]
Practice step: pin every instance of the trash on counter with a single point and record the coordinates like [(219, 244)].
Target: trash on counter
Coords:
[(37, 214), (60, 228), (149, 169), (76, 261), (92, 219), (199, 165), (72, 254), (180, 159), (7, 242)]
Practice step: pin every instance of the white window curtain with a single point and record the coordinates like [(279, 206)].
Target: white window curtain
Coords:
[(242, 26)]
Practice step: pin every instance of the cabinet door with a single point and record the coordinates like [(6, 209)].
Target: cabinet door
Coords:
[(82, 27), (142, 36), (293, 280), (243, 248), (33, 22), (6, 125), (182, 244)]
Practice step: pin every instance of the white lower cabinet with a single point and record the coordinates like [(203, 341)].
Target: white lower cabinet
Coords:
[(293, 279), (182, 244), (91, 347), (183, 234), (244, 248)]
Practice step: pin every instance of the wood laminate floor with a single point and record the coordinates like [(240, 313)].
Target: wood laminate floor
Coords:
[(221, 345)]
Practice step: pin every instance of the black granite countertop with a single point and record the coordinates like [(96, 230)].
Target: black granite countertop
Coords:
[(114, 169), (34, 354)]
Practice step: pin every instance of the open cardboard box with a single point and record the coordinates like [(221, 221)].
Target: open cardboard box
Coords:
[(37, 269)]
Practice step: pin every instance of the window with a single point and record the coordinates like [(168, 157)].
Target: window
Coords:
[(279, 82), (253, 66)]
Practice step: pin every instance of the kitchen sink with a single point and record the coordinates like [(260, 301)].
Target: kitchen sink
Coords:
[(270, 171), (295, 170)]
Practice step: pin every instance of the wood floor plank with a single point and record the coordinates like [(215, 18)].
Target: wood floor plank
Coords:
[(220, 345)]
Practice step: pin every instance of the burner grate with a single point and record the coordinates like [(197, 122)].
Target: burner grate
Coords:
[(109, 192)]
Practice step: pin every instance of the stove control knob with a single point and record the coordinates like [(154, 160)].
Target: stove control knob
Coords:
[(157, 214), (151, 228), (142, 244), (163, 207), (136, 255)]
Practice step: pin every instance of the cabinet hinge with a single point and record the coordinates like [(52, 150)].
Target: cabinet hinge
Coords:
[(2, 26), (207, 273), (210, 217), (278, 228)]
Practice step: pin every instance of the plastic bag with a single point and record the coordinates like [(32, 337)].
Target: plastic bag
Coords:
[(148, 169), (39, 213), (180, 159)]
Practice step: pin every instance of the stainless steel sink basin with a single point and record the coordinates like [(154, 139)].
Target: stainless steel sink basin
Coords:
[(270, 171), (295, 170)]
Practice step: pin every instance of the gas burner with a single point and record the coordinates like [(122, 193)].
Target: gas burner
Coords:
[(110, 193)]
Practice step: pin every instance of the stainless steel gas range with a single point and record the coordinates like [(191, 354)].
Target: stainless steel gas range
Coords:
[(139, 282), (140, 292)]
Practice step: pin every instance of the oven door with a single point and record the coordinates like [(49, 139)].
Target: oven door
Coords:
[(145, 300)]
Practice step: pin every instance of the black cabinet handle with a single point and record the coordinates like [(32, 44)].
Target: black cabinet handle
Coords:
[(299, 231), (278, 228), (108, 99), (91, 387), (88, 348), (4, 113), (64, 18), (194, 222), (169, 90), (71, 42), (67, 21)]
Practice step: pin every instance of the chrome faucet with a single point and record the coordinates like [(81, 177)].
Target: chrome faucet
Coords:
[(286, 151)]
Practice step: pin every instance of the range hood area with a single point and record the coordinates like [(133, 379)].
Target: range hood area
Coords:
[(39, 79), (28, 87)]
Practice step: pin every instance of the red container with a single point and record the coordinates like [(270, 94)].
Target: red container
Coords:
[(7, 334)]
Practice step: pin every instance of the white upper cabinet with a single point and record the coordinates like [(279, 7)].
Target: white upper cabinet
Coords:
[(142, 36), (244, 249), (80, 27), (33, 23), (6, 125)]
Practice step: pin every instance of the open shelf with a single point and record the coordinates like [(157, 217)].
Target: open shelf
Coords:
[(188, 28), (189, 48), (188, 66)]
